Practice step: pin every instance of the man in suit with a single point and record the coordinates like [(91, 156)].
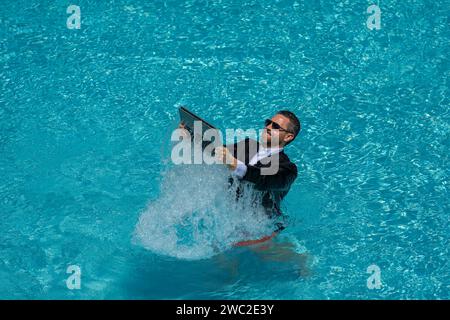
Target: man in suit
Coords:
[(265, 165), (268, 169)]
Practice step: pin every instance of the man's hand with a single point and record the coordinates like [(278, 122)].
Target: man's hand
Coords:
[(223, 155), (185, 131)]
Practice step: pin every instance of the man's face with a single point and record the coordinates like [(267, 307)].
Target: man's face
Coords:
[(273, 137)]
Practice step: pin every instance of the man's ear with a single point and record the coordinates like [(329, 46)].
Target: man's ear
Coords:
[(288, 138)]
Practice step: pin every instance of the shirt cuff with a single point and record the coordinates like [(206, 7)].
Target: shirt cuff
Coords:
[(241, 170)]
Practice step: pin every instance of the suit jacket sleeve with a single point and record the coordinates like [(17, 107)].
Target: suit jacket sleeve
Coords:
[(281, 181)]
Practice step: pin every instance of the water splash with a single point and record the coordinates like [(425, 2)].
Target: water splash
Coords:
[(197, 216)]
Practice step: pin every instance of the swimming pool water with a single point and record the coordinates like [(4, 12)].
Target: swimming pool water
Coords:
[(85, 114)]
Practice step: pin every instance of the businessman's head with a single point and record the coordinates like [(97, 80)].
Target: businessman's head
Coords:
[(283, 128)]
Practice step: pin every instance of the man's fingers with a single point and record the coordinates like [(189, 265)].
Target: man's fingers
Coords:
[(220, 150), (221, 154)]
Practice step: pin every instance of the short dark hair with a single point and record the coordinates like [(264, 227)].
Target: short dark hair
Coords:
[(294, 123)]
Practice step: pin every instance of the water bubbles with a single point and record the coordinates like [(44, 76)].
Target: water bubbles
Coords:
[(197, 216)]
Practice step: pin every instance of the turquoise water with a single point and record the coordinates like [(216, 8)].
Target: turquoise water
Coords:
[(84, 122)]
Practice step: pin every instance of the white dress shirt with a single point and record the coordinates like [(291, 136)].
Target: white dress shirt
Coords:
[(241, 168)]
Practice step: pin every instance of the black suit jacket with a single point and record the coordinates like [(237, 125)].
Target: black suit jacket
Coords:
[(273, 187)]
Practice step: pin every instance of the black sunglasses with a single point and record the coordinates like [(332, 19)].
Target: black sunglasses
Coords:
[(275, 125)]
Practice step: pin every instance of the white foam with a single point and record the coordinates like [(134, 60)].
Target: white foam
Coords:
[(196, 215)]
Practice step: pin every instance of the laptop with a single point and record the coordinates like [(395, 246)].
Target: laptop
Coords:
[(188, 118)]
